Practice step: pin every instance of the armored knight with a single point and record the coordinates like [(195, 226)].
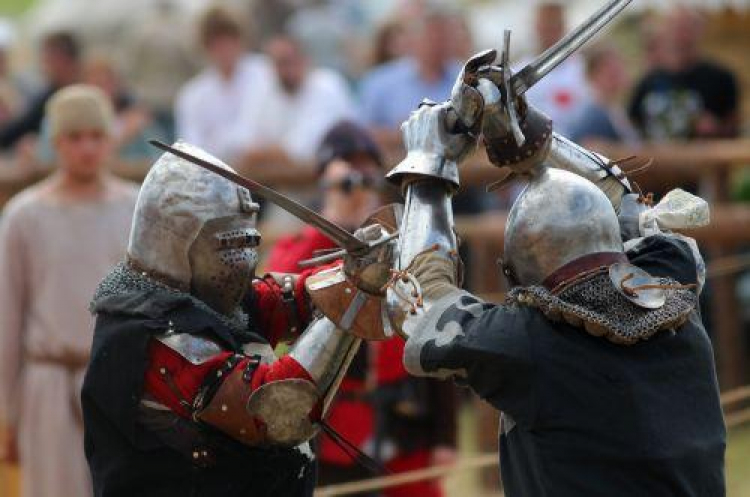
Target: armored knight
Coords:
[(598, 359), (184, 395)]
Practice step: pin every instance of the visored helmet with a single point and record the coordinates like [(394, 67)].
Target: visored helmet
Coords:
[(195, 231)]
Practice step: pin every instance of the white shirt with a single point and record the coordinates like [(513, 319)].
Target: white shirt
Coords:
[(561, 93), (295, 122), (209, 107)]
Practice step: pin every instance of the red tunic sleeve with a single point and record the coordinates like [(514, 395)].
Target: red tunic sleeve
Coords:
[(175, 382), (272, 315)]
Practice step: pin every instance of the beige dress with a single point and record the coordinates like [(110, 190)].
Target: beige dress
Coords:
[(53, 253)]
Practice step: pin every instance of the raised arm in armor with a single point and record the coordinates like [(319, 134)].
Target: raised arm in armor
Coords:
[(428, 178), (590, 351)]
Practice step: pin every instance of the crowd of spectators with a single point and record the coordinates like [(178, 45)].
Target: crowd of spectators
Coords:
[(263, 101), (259, 100)]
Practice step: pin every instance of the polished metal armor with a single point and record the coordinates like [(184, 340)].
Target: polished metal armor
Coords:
[(195, 231), (558, 218)]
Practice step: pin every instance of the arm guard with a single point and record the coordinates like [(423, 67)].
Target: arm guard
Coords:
[(426, 234), (566, 155), (251, 397), (282, 411)]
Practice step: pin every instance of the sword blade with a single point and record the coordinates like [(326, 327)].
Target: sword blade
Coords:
[(557, 53), (335, 232)]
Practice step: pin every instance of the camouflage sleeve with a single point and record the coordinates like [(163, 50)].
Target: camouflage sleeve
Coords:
[(482, 345)]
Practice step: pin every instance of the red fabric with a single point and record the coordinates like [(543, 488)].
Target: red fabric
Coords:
[(283, 369), (351, 417), (411, 462), (563, 98), (354, 420), (187, 378), (272, 315), (289, 251), (389, 365)]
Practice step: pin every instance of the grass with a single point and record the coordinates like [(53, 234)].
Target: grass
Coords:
[(738, 462), (14, 7)]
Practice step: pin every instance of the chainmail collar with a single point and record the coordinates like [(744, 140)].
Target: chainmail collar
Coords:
[(595, 305), (124, 280)]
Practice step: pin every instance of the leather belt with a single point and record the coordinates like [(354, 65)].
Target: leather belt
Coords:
[(71, 361)]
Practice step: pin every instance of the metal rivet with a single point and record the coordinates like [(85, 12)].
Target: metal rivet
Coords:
[(205, 453), (293, 329), (219, 374), (347, 290), (163, 370), (242, 431), (196, 455), (224, 407)]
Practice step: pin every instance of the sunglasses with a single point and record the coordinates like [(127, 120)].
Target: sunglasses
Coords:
[(354, 180)]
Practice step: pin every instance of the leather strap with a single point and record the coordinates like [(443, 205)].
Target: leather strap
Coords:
[(536, 127), (581, 265), (226, 409)]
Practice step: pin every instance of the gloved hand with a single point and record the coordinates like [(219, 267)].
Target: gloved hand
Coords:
[(534, 129), (439, 136)]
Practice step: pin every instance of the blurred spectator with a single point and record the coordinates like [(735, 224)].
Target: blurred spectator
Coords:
[(10, 99), (350, 172), (58, 239), (686, 96), (390, 93), (208, 107), (284, 123), (159, 60), (603, 117), (564, 90), (134, 125), (462, 40), (60, 54), (656, 50), (389, 43)]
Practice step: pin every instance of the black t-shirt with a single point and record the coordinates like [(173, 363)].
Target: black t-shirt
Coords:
[(665, 104)]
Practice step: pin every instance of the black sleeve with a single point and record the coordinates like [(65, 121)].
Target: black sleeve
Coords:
[(666, 256), (635, 109), (483, 345), (29, 122), (725, 97)]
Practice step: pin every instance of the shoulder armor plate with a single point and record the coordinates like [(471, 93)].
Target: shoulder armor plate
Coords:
[(195, 349)]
